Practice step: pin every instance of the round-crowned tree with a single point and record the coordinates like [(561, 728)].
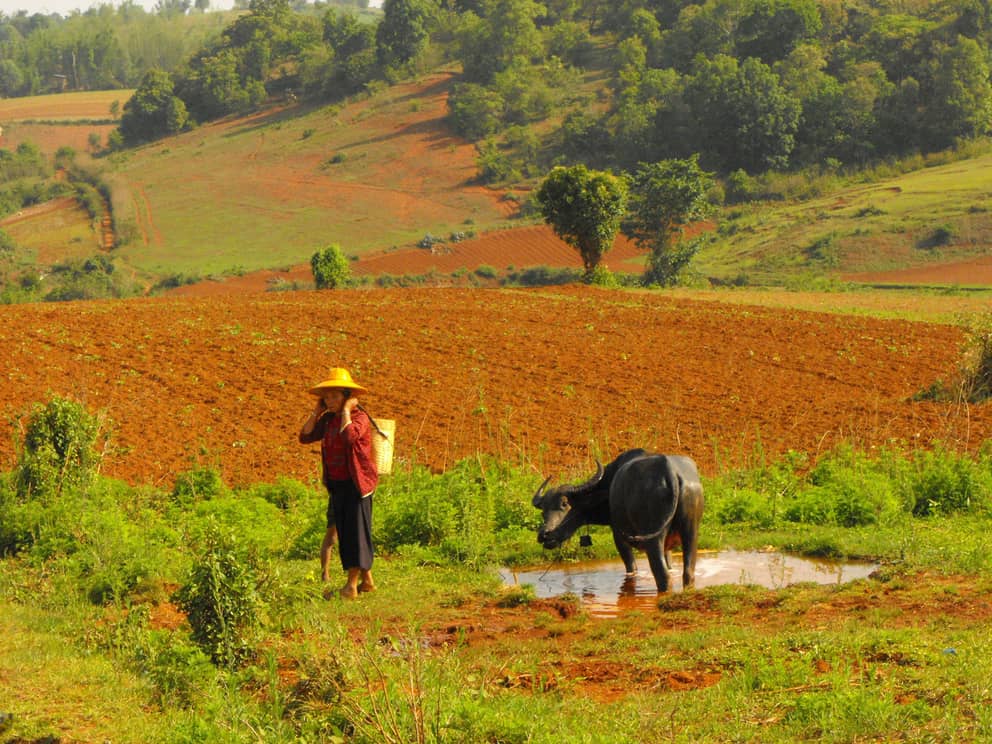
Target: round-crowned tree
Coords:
[(584, 208)]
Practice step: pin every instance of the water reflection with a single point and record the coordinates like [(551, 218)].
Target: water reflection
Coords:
[(605, 588)]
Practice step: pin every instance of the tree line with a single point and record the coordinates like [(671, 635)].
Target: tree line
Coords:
[(748, 86), (107, 47), (688, 93)]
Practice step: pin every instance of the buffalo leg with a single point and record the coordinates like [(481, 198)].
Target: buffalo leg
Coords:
[(626, 552), (656, 559), (689, 538)]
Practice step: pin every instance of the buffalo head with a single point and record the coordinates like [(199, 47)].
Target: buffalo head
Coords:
[(563, 509)]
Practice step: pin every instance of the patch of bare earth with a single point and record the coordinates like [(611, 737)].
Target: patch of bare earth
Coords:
[(519, 248), (551, 637), (550, 377), (971, 273)]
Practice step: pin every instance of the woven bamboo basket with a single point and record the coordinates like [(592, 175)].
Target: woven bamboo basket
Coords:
[(382, 446)]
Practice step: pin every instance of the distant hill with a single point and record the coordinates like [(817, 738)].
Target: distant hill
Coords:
[(263, 192), (268, 190)]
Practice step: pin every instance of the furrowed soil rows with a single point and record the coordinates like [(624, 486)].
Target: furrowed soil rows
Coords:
[(549, 377)]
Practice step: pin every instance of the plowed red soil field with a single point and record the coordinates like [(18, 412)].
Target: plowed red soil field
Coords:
[(552, 378)]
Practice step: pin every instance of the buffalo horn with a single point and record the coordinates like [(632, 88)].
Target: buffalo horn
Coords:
[(584, 487), (540, 491)]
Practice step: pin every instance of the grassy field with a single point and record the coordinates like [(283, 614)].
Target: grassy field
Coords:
[(94, 647), (269, 190), (929, 215), (951, 306)]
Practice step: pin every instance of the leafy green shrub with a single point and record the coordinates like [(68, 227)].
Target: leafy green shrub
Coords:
[(198, 484), (603, 277), (112, 553), (182, 674), (413, 511), (739, 187), (59, 450), (944, 482), (16, 531), (742, 506), (543, 276), (172, 281), (941, 235), (461, 510), (824, 250), (494, 165), (475, 112), (259, 524), (809, 507), (283, 493), (330, 268), (977, 383), (221, 598), (856, 491)]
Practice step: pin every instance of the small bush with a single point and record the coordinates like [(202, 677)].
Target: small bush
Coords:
[(182, 674), (59, 449), (944, 482), (743, 506), (977, 383), (283, 493), (603, 277), (330, 268), (459, 511), (198, 484), (941, 235), (221, 599), (543, 276)]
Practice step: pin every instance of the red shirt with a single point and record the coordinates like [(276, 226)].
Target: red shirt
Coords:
[(346, 454)]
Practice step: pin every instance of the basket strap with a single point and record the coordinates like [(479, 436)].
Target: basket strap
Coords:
[(378, 430)]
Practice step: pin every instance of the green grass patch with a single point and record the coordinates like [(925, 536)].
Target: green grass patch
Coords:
[(874, 222), (94, 570)]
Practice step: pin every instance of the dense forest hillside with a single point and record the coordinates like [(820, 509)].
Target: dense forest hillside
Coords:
[(278, 128)]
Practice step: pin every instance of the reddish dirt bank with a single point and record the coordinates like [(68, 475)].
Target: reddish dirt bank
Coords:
[(550, 377), (973, 273)]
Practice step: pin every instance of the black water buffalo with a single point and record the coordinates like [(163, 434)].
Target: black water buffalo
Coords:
[(650, 501)]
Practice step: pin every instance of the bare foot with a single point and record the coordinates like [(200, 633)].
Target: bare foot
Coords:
[(348, 592), (366, 587)]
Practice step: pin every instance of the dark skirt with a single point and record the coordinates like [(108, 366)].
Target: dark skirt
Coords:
[(353, 518)]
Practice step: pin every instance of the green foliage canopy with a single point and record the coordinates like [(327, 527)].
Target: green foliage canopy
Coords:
[(404, 31), (664, 197), (330, 268), (584, 208), (153, 111)]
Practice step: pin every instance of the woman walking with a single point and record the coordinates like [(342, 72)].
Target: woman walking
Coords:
[(349, 473)]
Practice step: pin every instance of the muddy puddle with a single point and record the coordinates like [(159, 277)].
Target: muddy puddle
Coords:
[(605, 589)]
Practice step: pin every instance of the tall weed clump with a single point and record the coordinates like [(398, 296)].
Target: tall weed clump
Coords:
[(460, 513), (977, 382), (59, 450), (941, 482), (973, 380), (222, 598), (57, 456), (848, 488)]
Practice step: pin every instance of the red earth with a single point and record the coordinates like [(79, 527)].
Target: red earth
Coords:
[(550, 378)]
